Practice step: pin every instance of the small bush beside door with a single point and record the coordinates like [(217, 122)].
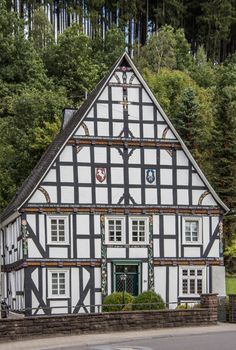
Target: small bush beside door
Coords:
[(145, 301)]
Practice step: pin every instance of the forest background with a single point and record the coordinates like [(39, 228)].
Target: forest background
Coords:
[(52, 53)]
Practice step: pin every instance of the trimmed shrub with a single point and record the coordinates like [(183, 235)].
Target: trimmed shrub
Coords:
[(116, 298), (148, 301), (182, 307)]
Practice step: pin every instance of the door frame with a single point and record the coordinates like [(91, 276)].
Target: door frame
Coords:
[(127, 262)]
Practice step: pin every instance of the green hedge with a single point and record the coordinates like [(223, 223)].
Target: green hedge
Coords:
[(148, 301), (116, 298)]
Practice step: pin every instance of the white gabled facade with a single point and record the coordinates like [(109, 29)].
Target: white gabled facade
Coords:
[(123, 194)]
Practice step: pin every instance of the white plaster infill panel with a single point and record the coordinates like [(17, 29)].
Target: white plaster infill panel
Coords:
[(148, 113), (113, 253), (83, 156), (181, 158), (160, 281), (83, 226), (133, 94), (218, 280), (66, 173), (116, 158), (83, 248), (75, 286), (173, 284), (33, 251), (138, 253), (67, 194), (169, 224), (58, 252), (102, 110), (192, 252), (170, 248)]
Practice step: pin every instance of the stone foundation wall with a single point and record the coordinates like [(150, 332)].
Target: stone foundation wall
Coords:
[(38, 326), (232, 308)]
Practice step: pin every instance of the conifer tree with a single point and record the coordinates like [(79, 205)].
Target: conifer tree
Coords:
[(187, 119), (224, 140)]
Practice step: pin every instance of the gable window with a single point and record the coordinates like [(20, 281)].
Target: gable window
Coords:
[(191, 231), (58, 283), (192, 281), (114, 227), (58, 230), (138, 228)]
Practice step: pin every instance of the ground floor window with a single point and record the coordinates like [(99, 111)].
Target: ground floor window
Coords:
[(58, 283), (192, 281)]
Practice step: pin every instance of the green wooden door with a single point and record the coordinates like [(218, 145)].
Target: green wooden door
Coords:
[(131, 283)]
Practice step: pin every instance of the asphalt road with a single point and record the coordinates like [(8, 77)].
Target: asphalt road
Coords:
[(218, 337), (217, 341)]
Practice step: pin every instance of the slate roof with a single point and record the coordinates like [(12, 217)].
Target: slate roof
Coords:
[(41, 167)]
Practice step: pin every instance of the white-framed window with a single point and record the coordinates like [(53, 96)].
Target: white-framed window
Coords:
[(57, 229), (192, 281), (58, 283), (138, 230), (192, 230), (114, 229)]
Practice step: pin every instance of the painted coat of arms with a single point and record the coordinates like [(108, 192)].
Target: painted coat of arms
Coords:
[(150, 175), (101, 174)]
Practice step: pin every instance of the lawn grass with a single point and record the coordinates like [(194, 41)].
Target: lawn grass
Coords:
[(230, 285)]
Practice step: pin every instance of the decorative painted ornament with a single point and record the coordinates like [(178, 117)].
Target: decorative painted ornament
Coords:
[(101, 174), (124, 77), (150, 175)]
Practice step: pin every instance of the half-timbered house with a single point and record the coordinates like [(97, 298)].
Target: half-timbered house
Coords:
[(116, 191)]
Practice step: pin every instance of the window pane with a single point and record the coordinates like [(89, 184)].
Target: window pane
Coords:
[(192, 286), (199, 286), (185, 272), (187, 225), (185, 286), (192, 272), (199, 272), (194, 225)]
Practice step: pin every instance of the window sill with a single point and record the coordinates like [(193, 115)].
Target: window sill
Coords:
[(58, 244), (58, 297), (192, 243)]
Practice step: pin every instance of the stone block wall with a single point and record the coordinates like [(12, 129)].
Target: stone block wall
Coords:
[(232, 308), (54, 325)]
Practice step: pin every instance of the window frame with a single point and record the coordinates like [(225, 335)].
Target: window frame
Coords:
[(58, 296), (146, 220), (195, 278), (107, 241), (192, 219), (49, 230)]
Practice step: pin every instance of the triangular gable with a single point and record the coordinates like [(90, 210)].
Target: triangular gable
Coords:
[(78, 126)]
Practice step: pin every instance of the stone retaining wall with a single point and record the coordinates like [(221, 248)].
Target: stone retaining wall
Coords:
[(38, 326), (232, 308)]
